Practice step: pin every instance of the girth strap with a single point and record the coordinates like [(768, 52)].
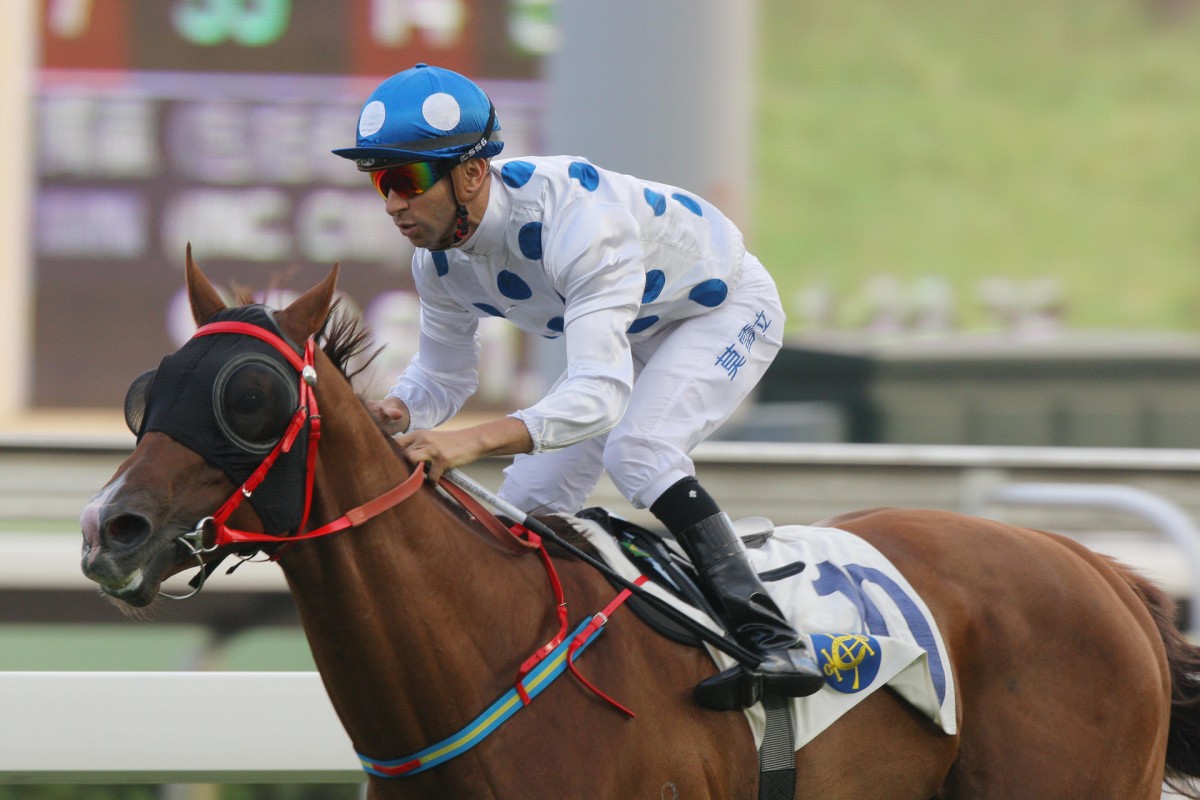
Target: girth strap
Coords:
[(777, 755)]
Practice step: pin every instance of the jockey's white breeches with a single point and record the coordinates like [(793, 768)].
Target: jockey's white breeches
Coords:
[(688, 380)]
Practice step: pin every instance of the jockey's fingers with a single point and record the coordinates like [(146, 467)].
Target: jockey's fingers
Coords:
[(416, 450), (434, 465)]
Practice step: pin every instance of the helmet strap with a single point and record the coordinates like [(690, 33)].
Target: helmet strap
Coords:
[(460, 225), (461, 216)]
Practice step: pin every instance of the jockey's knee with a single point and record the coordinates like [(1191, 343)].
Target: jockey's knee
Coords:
[(638, 472), (626, 468)]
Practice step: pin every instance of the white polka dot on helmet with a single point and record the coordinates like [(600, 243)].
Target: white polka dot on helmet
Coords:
[(425, 114)]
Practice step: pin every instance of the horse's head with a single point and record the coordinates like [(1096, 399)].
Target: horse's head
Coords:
[(224, 419)]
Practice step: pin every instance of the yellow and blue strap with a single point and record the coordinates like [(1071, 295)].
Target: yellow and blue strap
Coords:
[(476, 731)]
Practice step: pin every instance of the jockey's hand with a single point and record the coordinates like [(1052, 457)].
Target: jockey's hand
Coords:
[(390, 413), (440, 450), (443, 449)]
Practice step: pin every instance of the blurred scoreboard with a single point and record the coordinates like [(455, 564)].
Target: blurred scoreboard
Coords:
[(163, 122)]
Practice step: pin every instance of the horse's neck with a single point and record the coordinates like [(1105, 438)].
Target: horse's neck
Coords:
[(413, 619)]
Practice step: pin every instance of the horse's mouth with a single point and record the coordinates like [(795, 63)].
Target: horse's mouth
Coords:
[(139, 586), (133, 590)]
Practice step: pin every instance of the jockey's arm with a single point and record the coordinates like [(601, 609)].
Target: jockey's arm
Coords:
[(443, 449)]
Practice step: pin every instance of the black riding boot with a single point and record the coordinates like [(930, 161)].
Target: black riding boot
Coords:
[(751, 615)]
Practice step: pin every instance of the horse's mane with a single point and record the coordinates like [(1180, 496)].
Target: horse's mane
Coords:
[(571, 534), (344, 338)]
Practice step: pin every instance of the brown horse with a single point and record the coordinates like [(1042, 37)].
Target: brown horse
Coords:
[(1072, 680)]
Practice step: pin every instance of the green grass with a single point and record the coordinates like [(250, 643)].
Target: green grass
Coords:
[(972, 139), (147, 646)]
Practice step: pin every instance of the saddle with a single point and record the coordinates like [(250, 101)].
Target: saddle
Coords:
[(663, 562)]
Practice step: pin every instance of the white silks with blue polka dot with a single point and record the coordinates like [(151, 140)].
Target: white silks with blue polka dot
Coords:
[(642, 279)]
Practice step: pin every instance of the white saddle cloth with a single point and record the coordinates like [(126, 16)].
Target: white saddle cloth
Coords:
[(866, 625)]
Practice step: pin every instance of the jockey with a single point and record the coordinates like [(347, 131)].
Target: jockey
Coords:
[(668, 324)]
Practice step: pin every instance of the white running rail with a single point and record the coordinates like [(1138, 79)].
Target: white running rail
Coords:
[(171, 727)]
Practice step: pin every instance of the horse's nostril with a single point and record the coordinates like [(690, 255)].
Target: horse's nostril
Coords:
[(127, 529)]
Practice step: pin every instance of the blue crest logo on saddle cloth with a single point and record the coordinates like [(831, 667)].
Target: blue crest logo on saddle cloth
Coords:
[(867, 626), (850, 661)]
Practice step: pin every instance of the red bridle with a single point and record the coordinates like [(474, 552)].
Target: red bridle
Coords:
[(306, 412)]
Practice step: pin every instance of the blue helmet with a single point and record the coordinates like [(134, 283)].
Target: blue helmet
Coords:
[(425, 114)]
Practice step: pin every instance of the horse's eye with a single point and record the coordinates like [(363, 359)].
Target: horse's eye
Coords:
[(255, 401)]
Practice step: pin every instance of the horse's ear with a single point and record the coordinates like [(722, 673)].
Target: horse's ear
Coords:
[(307, 313), (204, 298)]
